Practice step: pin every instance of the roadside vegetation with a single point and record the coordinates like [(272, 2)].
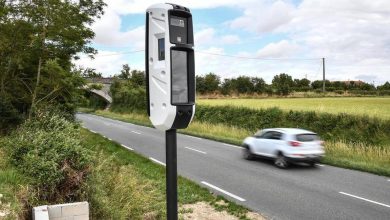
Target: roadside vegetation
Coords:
[(50, 159)]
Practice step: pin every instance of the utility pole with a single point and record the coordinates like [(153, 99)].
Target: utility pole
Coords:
[(323, 75)]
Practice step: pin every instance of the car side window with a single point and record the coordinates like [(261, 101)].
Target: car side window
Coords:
[(276, 135), (267, 135)]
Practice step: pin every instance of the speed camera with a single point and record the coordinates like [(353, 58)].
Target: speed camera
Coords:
[(170, 69)]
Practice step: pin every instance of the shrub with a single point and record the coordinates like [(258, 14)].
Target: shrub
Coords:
[(47, 149), (345, 127)]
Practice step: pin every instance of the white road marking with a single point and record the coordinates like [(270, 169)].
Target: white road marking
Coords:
[(231, 145), (157, 161), (127, 147), (135, 132), (93, 131), (367, 200), (202, 152), (194, 137), (223, 191), (321, 165), (388, 180), (110, 139)]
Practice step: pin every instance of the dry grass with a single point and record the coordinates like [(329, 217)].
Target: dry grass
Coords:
[(371, 106), (359, 156)]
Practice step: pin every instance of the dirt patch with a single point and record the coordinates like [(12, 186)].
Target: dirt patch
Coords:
[(204, 211)]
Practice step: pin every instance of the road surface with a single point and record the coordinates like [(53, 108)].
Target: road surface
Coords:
[(300, 192)]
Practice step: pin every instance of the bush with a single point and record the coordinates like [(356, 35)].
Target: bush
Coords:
[(47, 149), (128, 97), (345, 127)]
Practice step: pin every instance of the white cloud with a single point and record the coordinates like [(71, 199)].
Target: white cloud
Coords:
[(354, 36), (106, 62), (208, 36), (139, 6), (108, 32), (263, 17), (204, 36), (279, 49), (230, 39)]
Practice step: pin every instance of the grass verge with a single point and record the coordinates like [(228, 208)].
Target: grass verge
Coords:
[(368, 158), (13, 189), (126, 185)]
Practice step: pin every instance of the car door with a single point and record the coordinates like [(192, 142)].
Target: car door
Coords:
[(274, 140), (262, 143)]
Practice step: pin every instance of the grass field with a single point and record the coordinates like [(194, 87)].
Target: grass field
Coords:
[(374, 107)]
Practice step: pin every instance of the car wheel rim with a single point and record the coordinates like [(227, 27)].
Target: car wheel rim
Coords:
[(280, 162)]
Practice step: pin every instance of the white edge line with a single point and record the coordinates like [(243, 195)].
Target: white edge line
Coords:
[(194, 137), (367, 200), (135, 132), (388, 180), (127, 147), (321, 165), (199, 151), (110, 139), (157, 161), (223, 191), (93, 131), (231, 145)]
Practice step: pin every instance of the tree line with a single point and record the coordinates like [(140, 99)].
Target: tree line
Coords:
[(282, 84)]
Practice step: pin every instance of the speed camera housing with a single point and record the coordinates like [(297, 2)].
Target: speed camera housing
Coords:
[(169, 64)]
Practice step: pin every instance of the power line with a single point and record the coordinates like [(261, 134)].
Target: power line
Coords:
[(217, 54), (118, 53), (255, 58)]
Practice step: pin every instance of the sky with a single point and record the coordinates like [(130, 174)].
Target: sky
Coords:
[(259, 38)]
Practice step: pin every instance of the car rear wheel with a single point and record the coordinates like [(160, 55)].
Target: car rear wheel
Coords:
[(280, 161), (247, 153)]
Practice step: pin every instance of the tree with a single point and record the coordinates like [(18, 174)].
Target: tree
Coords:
[(212, 82), (243, 84), (38, 40), (91, 73), (385, 86), (138, 78), (125, 72), (259, 84), (283, 84)]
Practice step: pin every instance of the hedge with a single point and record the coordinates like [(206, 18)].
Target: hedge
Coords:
[(345, 127)]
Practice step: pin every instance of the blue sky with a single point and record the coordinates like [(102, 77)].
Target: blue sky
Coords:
[(354, 37)]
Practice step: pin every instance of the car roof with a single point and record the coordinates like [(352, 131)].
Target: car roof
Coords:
[(290, 130)]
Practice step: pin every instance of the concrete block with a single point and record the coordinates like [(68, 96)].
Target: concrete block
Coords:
[(75, 209), (40, 213), (55, 211), (63, 218), (81, 217)]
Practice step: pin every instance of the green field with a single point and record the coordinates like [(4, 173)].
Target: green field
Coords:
[(374, 107)]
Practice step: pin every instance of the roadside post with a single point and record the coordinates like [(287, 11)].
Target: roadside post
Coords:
[(170, 82)]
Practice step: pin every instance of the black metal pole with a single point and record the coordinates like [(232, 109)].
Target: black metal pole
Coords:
[(171, 173)]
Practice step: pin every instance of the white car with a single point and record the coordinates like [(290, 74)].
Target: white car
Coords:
[(284, 146)]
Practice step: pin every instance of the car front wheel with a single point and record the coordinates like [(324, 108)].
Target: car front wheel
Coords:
[(247, 153), (281, 162)]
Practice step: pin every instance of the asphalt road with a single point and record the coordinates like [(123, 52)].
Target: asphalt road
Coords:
[(300, 192)]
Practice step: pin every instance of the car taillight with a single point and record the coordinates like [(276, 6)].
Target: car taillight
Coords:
[(295, 143)]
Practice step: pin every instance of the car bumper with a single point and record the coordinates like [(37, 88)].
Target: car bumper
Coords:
[(305, 159)]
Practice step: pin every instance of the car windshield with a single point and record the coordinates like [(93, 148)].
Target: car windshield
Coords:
[(307, 137)]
